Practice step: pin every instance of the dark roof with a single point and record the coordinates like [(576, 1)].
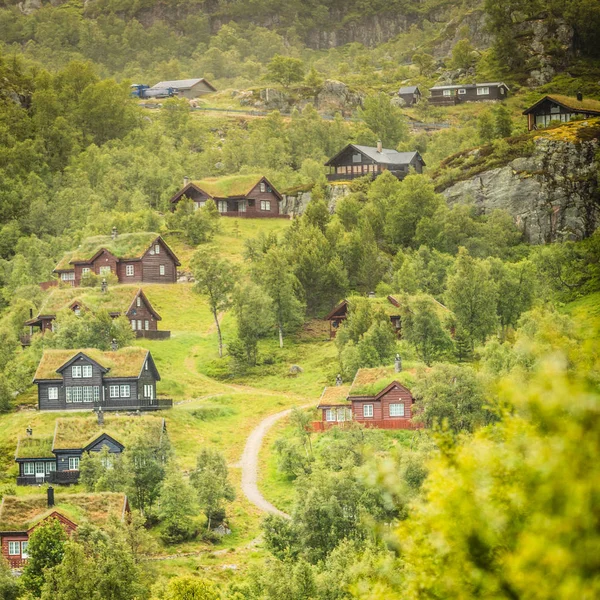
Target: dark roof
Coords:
[(585, 106), (409, 89), (232, 186), (182, 84), (387, 156), (468, 86)]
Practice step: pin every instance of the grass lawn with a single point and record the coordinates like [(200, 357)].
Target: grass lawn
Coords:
[(586, 312)]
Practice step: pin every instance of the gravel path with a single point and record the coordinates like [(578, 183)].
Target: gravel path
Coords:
[(249, 464)]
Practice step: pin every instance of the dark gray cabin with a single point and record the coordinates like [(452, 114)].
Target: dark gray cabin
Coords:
[(411, 94), (555, 108), (447, 95), (360, 161)]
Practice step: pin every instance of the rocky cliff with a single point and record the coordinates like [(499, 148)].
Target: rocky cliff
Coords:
[(552, 193)]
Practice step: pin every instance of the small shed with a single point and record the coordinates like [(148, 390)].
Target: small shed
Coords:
[(410, 94)]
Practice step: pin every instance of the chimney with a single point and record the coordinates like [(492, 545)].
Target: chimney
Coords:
[(579, 96), (397, 364), (379, 146), (114, 233), (338, 380), (31, 313), (100, 417), (50, 496), (29, 431), (114, 346), (186, 180)]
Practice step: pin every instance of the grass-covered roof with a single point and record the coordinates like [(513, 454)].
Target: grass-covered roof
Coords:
[(125, 362), (34, 447), (383, 304), (369, 382), (79, 432), (585, 104), (225, 187), (126, 245), (19, 513), (336, 394)]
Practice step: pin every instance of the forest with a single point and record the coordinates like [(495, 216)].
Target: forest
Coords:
[(494, 491)]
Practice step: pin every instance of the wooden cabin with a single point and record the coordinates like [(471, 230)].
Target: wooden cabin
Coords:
[(89, 379), (555, 108), (187, 88), (445, 95), (340, 312), (117, 300), (376, 399), (55, 459), (130, 257), (21, 515), (370, 161), (241, 196), (411, 94)]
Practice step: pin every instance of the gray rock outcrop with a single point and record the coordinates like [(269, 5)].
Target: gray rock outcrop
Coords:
[(294, 204), (552, 194)]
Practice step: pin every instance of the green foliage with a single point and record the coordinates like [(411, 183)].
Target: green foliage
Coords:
[(463, 54), (10, 589), (46, 550), (423, 329), (384, 119), (177, 507), (186, 587), (285, 70), (198, 225)]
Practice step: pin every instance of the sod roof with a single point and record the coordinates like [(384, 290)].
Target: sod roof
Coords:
[(125, 362), (336, 394), (34, 447), (117, 298), (369, 382), (20, 513), (79, 432), (126, 245), (587, 104), (227, 187)]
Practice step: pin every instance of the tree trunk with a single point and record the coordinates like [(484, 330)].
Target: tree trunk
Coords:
[(280, 334), (218, 333)]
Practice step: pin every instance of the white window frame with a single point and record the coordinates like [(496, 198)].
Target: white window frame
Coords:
[(367, 411), (76, 371), (96, 393), (73, 463), (69, 276), (149, 391), (129, 270), (330, 415), (138, 302), (86, 371), (24, 548), (133, 324), (447, 92), (50, 467), (222, 206), (11, 548), (139, 325), (53, 393), (77, 393), (85, 270), (265, 205), (161, 269), (113, 391), (483, 91), (125, 391), (28, 468), (397, 409), (88, 393), (156, 248), (104, 270), (263, 187), (462, 91), (146, 324)]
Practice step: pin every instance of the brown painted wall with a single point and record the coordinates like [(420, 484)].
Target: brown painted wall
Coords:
[(151, 266), (15, 562), (141, 313), (122, 271), (381, 408)]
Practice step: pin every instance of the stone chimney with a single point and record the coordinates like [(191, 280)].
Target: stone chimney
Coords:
[(114, 233), (186, 180), (379, 146), (100, 417), (29, 431), (114, 346), (338, 380), (579, 96), (50, 493), (397, 364)]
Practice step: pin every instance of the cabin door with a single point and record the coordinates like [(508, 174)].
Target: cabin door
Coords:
[(40, 471)]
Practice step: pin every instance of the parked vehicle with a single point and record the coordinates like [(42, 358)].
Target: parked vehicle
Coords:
[(141, 90)]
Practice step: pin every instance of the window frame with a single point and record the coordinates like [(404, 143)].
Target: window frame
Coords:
[(129, 270), (53, 392), (365, 411), (88, 393), (87, 369), (161, 270), (29, 468), (330, 415), (104, 270), (125, 390), (263, 187), (11, 545), (76, 371), (462, 91), (24, 549), (447, 92), (73, 460), (265, 205), (483, 91), (397, 405), (156, 248), (111, 391)]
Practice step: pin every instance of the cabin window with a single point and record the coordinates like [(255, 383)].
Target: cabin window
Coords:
[(341, 414), (139, 324), (483, 91), (76, 371), (397, 410), (148, 391), (222, 206), (52, 393), (367, 410), (265, 205), (447, 92), (104, 270), (341, 170), (146, 365), (113, 391), (24, 549), (14, 548), (50, 467), (555, 109), (156, 248), (84, 271), (73, 463), (356, 158), (125, 391), (133, 324), (70, 276), (129, 271), (77, 310), (330, 414), (502, 91), (356, 169), (462, 91), (86, 370), (138, 301), (106, 462), (88, 393), (146, 324), (161, 269), (28, 468), (96, 393), (74, 394), (263, 187), (199, 204)]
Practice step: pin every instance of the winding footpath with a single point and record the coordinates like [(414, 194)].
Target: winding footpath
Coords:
[(249, 464)]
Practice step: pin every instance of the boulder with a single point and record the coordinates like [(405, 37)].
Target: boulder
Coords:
[(295, 369)]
